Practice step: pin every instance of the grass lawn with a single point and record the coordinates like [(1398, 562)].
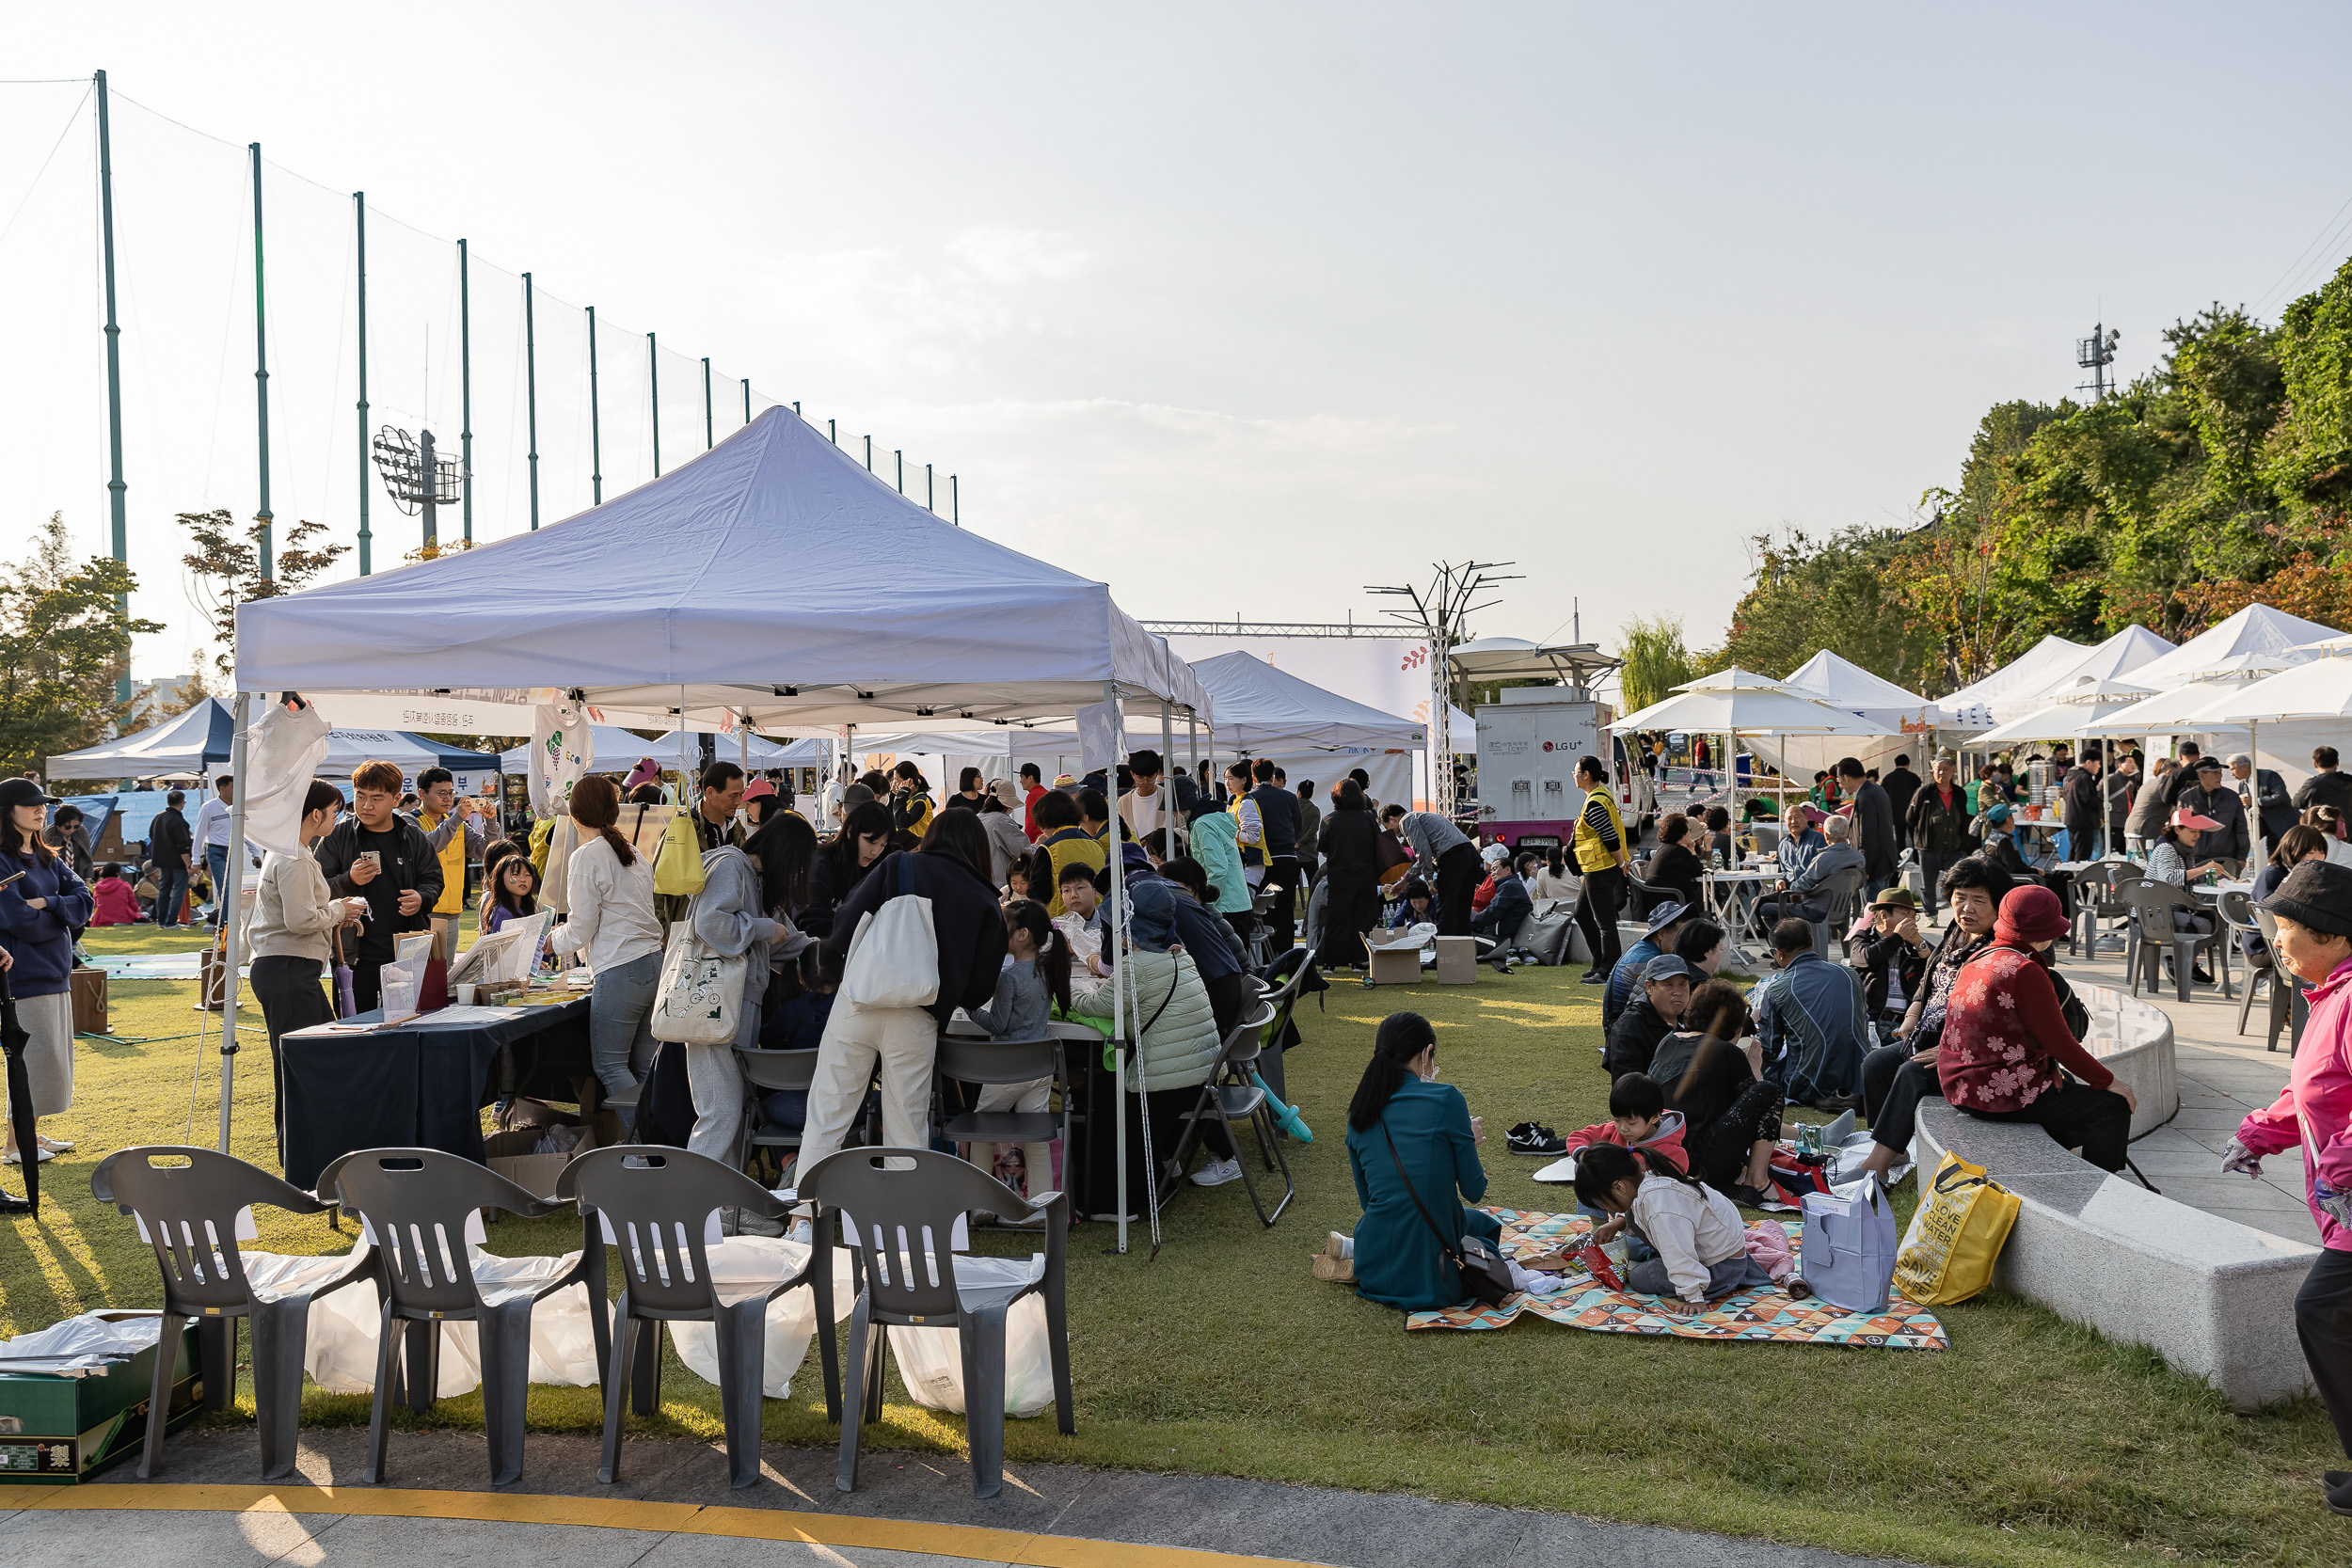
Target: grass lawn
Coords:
[(2029, 1441)]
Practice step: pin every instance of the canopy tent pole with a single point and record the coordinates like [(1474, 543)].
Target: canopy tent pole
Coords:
[(1168, 785), (1192, 741), (1122, 969), (227, 899)]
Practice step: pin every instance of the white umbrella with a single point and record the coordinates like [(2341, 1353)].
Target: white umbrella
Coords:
[(1746, 705), (2321, 690)]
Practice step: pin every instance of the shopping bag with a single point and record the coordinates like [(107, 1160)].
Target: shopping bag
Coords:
[(678, 865), (894, 953), (1848, 1250), (1956, 1236), (701, 999), (1545, 934)]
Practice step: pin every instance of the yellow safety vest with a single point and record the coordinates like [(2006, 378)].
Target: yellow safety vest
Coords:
[(1591, 854), (452, 867)]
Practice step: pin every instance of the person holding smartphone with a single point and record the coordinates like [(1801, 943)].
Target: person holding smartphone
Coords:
[(383, 857)]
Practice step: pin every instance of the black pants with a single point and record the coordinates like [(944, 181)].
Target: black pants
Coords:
[(1597, 916), (1932, 864), (292, 998), (1720, 1153), (1892, 1087), (2323, 1320), (2097, 1121), (1457, 881), (1098, 1165), (1351, 905), (1283, 871)]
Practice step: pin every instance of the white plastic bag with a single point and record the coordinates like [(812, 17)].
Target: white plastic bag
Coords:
[(893, 955), (791, 1317), (930, 1360)]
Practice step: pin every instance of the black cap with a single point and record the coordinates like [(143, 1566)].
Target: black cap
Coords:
[(2318, 894), (22, 792), (2209, 764)]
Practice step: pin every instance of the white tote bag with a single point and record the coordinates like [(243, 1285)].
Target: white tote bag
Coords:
[(893, 955), (701, 991)]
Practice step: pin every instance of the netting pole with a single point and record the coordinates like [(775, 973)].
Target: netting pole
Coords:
[(359, 209), (955, 503), (260, 363), (747, 400), (596, 424), (226, 900), (929, 492), (531, 394), (465, 386), (710, 439), (115, 487), (653, 374)]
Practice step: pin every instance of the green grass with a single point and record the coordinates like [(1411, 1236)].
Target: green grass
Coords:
[(2029, 1441)]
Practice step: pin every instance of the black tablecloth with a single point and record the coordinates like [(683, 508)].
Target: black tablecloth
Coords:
[(423, 1084)]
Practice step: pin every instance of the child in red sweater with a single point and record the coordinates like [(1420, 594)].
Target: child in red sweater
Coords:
[(1638, 1118), (114, 902)]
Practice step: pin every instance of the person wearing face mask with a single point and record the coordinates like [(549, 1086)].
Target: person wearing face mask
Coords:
[(1412, 1145), (843, 863)]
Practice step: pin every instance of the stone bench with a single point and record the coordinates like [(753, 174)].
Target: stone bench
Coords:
[(2213, 1297)]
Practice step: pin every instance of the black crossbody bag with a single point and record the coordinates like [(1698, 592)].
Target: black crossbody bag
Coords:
[(1483, 1272)]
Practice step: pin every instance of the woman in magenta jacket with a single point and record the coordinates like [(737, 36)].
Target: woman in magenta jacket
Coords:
[(2314, 908)]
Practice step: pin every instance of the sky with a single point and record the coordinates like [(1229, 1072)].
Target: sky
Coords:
[(1238, 308)]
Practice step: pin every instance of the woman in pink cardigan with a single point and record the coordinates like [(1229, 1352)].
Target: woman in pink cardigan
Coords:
[(2314, 908)]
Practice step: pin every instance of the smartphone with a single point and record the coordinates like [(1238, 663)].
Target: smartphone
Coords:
[(373, 857)]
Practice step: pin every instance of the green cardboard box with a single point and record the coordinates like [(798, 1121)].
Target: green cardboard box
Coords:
[(57, 1430)]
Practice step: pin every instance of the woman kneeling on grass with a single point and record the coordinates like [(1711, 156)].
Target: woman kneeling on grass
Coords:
[(1701, 1244), (1412, 1143)]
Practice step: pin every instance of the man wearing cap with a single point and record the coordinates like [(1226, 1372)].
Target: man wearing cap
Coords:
[(1665, 924), (2313, 909), (1939, 826), (2265, 796), (1891, 957), (1810, 1018), (2326, 787), (2228, 841), (1649, 1018)]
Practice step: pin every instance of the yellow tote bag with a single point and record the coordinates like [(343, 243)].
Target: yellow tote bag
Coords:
[(1956, 1236), (678, 865)]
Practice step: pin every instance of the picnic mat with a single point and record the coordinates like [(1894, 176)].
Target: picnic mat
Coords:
[(1750, 1315)]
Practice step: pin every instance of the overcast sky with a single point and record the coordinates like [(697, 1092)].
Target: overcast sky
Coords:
[(1237, 308)]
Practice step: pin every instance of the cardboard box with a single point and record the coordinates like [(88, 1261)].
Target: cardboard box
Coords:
[(89, 1000), (1457, 960), (509, 1154), (59, 1431)]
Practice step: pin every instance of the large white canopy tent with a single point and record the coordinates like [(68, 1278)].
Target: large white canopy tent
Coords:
[(2015, 689), (2119, 658), (772, 578), (1743, 703), (1904, 716), (2256, 630)]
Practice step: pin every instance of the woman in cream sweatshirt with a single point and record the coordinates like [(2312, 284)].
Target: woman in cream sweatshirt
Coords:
[(293, 915)]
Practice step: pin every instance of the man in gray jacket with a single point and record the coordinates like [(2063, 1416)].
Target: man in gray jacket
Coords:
[(1444, 858), (1805, 898)]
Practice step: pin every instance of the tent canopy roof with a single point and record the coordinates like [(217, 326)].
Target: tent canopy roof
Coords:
[(772, 576), (1748, 710), (2256, 630), (2024, 676), (1842, 683), (1503, 659), (2122, 655), (2058, 722), (615, 750), (198, 741), (1259, 707), (2320, 689)]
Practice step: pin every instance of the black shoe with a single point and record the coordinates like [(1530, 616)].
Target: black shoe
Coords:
[(1740, 1192), (1834, 1104), (1595, 978), (1531, 1138), (12, 1204), (2337, 1485)]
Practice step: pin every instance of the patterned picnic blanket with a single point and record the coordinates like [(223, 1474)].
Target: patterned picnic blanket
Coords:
[(1750, 1315)]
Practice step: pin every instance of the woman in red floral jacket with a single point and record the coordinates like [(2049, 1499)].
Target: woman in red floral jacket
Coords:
[(2005, 1040)]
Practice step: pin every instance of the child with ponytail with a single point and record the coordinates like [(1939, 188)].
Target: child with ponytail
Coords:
[(1035, 976), (1700, 1241)]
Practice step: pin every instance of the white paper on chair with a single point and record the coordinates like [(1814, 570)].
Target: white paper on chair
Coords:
[(1562, 1169)]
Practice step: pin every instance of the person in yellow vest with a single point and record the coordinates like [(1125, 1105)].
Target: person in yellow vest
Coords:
[(453, 830), (1602, 858)]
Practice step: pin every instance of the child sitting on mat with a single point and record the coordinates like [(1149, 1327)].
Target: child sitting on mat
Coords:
[(1701, 1244), (114, 903), (1638, 1118)]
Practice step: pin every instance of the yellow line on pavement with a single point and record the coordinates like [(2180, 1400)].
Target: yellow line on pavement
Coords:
[(971, 1541)]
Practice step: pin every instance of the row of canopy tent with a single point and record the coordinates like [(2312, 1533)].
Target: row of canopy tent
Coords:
[(1742, 704), (770, 581), (199, 741)]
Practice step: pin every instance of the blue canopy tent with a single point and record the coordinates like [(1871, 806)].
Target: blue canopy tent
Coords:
[(198, 740)]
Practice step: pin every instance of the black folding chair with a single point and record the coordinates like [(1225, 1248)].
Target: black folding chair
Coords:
[(189, 1199), (1232, 1095)]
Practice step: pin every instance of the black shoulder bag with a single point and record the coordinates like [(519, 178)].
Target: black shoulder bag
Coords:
[(1484, 1274)]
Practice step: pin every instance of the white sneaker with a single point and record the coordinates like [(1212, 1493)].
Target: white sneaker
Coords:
[(1216, 1173), (801, 1233)]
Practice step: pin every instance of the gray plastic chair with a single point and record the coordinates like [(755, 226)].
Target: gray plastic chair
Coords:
[(660, 1202), (1836, 897), (190, 1207), (418, 1201), (1230, 1094), (2239, 914), (899, 1208), (2098, 895), (768, 1071), (2151, 904), (992, 1061)]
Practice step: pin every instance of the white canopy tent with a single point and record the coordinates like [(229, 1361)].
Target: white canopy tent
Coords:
[(2118, 657), (2256, 630), (1908, 718), (1740, 702), (2015, 689), (772, 577), (617, 750)]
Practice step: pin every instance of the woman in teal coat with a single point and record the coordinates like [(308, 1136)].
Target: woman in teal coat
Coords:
[(1399, 1260)]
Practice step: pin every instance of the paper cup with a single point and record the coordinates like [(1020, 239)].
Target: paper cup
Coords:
[(465, 996)]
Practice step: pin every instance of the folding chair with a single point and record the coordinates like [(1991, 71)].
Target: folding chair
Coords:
[(417, 1200), (2283, 985), (1836, 897), (769, 1072), (992, 1061), (2151, 904), (660, 1204), (1232, 1094), (189, 1200), (904, 1209)]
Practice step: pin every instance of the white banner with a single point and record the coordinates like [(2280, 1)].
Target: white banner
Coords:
[(434, 715)]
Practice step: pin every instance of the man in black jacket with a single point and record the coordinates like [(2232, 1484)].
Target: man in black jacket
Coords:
[(2325, 787), (1901, 784), (1873, 825), (169, 845), (1939, 826), (2267, 793), (2080, 804), (1657, 1007), (2210, 797), (1278, 809), (381, 856)]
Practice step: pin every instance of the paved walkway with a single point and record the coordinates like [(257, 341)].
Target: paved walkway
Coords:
[(672, 1509)]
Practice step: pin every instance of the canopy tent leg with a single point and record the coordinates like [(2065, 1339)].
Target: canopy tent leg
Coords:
[(1122, 968), (1168, 785), (227, 899)]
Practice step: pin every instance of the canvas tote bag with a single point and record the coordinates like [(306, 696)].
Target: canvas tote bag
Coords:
[(893, 955)]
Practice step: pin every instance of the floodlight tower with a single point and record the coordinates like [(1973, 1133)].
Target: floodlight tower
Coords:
[(2095, 353), (1442, 613), (417, 481)]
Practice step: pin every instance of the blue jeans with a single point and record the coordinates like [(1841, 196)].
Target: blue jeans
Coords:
[(171, 890), (620, 1022), (217, 862)]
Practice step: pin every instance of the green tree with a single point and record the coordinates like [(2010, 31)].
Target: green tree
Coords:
[(62, 648), (227, 567), (1809, 595), (1655, 660)]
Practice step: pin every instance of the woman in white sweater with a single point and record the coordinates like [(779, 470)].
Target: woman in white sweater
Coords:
[(610, 920), (294, 914)]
